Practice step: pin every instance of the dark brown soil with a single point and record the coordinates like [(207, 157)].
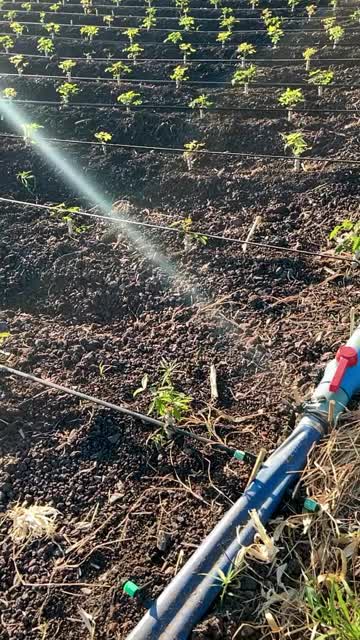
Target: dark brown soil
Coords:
[(96, 315)]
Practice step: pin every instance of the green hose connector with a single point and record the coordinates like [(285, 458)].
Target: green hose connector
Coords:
[(311, 505), (239, 455), (131, 589)]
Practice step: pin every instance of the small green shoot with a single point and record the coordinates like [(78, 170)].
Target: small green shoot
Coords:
[(108, 20), (131, 33), (103, 137), (275, 33), (118, 70), (244, 77), (19, 63), (347, 237), (328, 23), (27, 179), (179, 75), (174, 37), (133, 51), (52, 28), (335, 34), (228, 23), (17, 28), (223, 37), (9, 93), (254, 3), (308, 54), (244, 50), (166, 400), (191, 238), (187, 23), (89, 32), (355, 17), (29, 129), (191, 151), (130, 99), (6, 43), (297, 145), (310, 10), (148, 23), (187, 50), (46, 46), (290, 98), (27, 6), (321, 78), (55, 7), (66, 66), (201, 103), (292, 4), (66, 90)]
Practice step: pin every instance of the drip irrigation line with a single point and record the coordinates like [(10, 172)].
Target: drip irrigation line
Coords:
[(218, 61), (178, 107), (234, 453), (176, 230), (143, 30), (161, 17), (200, 45), (144, 81), (176, 150)]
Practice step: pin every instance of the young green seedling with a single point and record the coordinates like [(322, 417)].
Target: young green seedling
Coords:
[(9, 93), (148, 23), (297, 145), (267, 17), (244, 77), (133, 51), (131, 33), (308, 54), (46, 46), (108, 20), (226, 11), (223, 37), (179, 75), (42, 16), (17, 28), (27, 179), (174, 37), (191, 238), (347, 237), (10, 15), (186, 49), (191, 151), (187, 23), (86, 5), (26, 6), (228, 23), (29, 129), (88, 57), (19, 63), (310, 10), (66, 90), (290, 98), (183, 6), (117, 2), (243, 51), (89, 32), (201, 103), (103, 137), (292, 4), (355, 17), (167, 402), (215, 3), (66, 66), (275, 33), (118, 70), (321, 78), (55, 7), (253, 3), (52, 28), (328, 23), (335, 34), (130, 99), (6, 43), (334, 4)]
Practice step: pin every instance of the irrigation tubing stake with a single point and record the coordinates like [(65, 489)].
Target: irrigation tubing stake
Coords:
[(235, 453), (212, 236), (144, 81), (175, 108)]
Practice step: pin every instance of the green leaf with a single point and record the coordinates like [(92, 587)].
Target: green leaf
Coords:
[(143, 387)]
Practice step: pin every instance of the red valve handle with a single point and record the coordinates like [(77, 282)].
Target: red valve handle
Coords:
[(345, 357)]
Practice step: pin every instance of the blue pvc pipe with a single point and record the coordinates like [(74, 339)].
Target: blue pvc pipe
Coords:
[(190, 594)]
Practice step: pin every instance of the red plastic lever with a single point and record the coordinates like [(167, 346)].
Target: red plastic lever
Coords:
[(345, 357)]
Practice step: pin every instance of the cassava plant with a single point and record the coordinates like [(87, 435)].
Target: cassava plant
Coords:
[(297, 145), (86, 5), (42, 16), (355, 17), (10, 15), (191, 238), (7, 43), (166, 401), (131, 33), (228, 23), (187, 50), (253, 3), (52, 28), (89, 32), (191, 151), (179, 75), (292, 4), (129, 99), (9, 93), (201, 103), (244, 77), (187, 23), (328, 23), (19, 63), (215, 3), (118, 70), (223, 37), (334, 4), (45, 46), (17, 28), (289, 99), (108, 20), (103, 137), (148, 23), (55, 7), (29, 129), (243, 51), (335, 34), (27, 180), (321, 78), (133, 51), (174, 37), (66, 90), (27, 6), (66, 66), (310, 10), (308, 54), (266, 16), (275, 33), (347, 237)]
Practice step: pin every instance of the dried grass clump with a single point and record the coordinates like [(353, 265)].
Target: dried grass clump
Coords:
[(29, 523)]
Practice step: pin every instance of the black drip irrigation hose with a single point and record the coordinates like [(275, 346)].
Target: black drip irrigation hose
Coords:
[(169, 429), (211, 236), (324, 7), (174, 108), (202, 83)]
